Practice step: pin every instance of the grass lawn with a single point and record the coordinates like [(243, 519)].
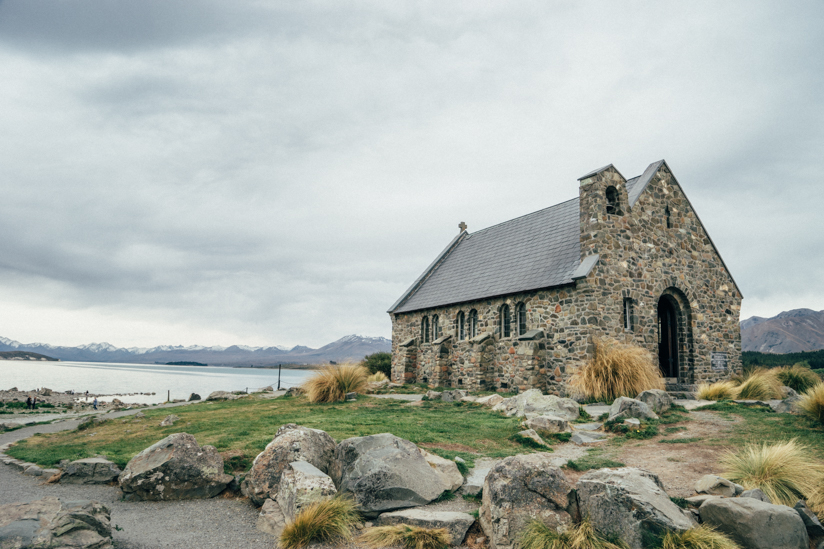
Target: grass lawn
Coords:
[(241, 429)]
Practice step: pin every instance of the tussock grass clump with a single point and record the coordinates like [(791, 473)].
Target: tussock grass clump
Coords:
[(798, 378), (617, 370), (812, 403), (377, 377), (722, 390), (332, 383), (815, 500), (785, 472), (538, 535), (323, 521), (701, 537), (402, 535), (760, 385)]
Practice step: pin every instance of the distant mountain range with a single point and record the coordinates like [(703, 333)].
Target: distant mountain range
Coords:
[(788, 332), (351, 347)]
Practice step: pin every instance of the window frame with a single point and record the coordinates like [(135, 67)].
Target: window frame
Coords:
[(613, 200), (461, 321), (425, 329), (520, 319), (473, 324), (435, 327), (506, 321), (629, 311)]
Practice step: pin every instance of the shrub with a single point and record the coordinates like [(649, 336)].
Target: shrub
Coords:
[(323, 521), (760, 385), (333, 382), (410, 537), (785, 472), (722, 390), (617, 370), (377, 377), (538, 535), (379, 362), (798, 378), (812, 403), (701, 537)]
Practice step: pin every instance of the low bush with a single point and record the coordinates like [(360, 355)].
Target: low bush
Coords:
[(409, 537), (323, 521), (332, 383), (812, 403), (378, 362), (538, 535), (760, 385), (798, 378), (701, 537), (617, 370), (785, 472), (377, 377), (722, 390)]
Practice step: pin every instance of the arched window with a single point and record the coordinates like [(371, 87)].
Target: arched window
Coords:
[(520, 312), (461, 326), (473, 323), (612, 201), (425, 329), (669, 218), (506, 322), (436, 330)]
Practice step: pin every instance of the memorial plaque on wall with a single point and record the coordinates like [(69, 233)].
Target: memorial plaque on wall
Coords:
[(719, 361)]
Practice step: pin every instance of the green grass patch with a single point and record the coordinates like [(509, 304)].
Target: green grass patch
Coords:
[(446, 496), (477, 498), (593, 460), (670, 430), (679, 440), (680, 502)]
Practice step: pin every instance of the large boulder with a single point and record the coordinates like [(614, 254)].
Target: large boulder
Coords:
[(520, 489), (629, 503), (548, 424), (457, 524), (384, 473), (624, 408), (490, 400), (532, 403), (450, 474), (659, 401), (790, 405), (174, 468), (756, 524), (302, 484), (291, 443), (51, 524), (96, 470)]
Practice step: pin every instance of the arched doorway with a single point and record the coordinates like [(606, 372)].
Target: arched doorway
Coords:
[(668, 358)]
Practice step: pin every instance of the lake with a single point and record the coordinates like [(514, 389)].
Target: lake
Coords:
[(121, 379)]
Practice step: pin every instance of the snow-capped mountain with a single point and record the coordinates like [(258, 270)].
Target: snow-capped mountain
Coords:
[(351, 347)]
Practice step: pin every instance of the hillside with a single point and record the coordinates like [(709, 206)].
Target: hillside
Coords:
[(788, 332), (24, 355)]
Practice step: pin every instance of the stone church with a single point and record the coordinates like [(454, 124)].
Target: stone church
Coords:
[(519, 305)]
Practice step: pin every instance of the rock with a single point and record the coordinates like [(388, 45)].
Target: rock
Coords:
[(628, 502), (46, 392), (293, 391), (633, 423), (384, 473), (271, 519), (351, 397), (490, 400), (789, 405), (624, 407), (548, 424), (268, 389), (520, 489), (302, 484), (471, 399), (588, 426), (583, 438), (756, 524), (172, 469), (432, 395), (453, 396), (450, 475), (168, 421), (715, 485), (658, 401), (291, 443), (811, 522), (33, 471), (697, 501), (117, 402), (91, 421), (532, 403), (756, 494), (477, 475), (788, 392), (193, 397), (49, 523), (533, 436), (457, 524), (96, 470), (222, 395), (738, 489), (139, 415)]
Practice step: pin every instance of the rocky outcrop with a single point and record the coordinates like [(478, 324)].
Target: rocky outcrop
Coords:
[(628, 503), (51, 524), (291, 443), (532, 403), (659, 401), (624, 408), (384, 473), (96, 470), (174, 468), (448, 470), (548, 424), (715, 485), (456, 524), (755, 524), (302, 484), (520, 489)]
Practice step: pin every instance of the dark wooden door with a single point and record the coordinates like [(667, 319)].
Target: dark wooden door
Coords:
[(667, 338)]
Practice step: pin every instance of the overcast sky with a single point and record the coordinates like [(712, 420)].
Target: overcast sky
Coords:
[(269, 173)]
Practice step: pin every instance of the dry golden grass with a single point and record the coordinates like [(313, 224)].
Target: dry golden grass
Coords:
[(538, 535), (722, 390), (760, 384), (785, 472), (323, 521), (377, 377), (617, 370), (332, 383), (812, 403), (797, 377), (409, 537), (701, 537), (815, 500)]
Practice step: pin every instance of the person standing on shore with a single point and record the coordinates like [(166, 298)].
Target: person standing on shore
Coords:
[(28, 403), (94, 403), (34, 403)]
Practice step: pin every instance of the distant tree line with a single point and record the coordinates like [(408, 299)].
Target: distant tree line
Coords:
[(379, 362), (812, 359)]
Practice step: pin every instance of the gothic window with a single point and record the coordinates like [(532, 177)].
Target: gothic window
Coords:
[(473, 323), (506, 322), (612, 201), (436, 330), (520, 311), (628, 325), (669, 218), (425, 329), (461, 326)]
